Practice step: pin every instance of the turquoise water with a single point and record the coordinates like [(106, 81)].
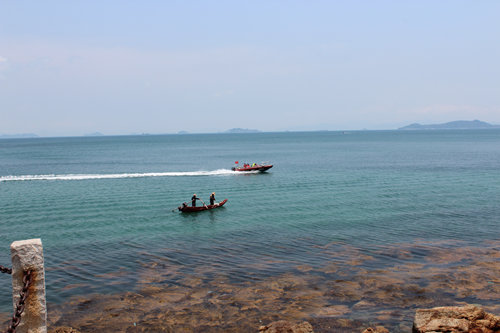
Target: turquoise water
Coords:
[(103, 205)]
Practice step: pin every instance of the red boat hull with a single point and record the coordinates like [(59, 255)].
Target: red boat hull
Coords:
[(190, 209), (260, 168)]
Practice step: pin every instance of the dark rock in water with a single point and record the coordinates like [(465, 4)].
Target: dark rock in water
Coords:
[(284, 326), (337, 325), (455, 319)]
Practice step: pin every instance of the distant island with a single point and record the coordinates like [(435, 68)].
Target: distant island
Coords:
[(94, 134), (18, 136), (242, 130), (459, 124), (452, 125)]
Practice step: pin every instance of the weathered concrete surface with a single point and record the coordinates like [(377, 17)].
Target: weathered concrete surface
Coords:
[(28, 255), (283, 326), (455, 319)]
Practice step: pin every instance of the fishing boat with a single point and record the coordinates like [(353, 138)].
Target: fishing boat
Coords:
[(252, 167), (189, 209)]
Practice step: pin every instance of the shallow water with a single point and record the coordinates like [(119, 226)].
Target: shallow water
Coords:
[(103, 208)]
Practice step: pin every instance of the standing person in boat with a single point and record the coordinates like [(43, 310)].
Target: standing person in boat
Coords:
[(193, 200), (212, 198)]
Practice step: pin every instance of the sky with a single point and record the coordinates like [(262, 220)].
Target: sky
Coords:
[(124, 67)]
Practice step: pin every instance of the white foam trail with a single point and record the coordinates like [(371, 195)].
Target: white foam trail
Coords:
[(117, 175)]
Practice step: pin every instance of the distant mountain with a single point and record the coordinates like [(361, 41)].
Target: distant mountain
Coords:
[(95, 134), (459, 124), (18, 136), (183, 132), (242, 130)]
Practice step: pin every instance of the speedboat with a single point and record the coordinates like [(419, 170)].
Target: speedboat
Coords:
[(253, 167)]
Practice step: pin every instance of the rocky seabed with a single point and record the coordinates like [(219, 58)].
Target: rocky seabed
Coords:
[(352, 293)]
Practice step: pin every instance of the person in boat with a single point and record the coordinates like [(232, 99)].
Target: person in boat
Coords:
[(193, 200), (212, 198), (253, 165)]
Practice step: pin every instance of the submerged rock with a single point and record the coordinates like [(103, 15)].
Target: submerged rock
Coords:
[(455, 319), (284, 326), (63, 329), (377, 329), (337, 298)]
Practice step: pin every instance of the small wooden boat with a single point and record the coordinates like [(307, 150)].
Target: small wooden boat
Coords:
[(253, 167), (189, 209)]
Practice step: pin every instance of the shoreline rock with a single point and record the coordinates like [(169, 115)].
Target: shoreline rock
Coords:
[(455, 319)]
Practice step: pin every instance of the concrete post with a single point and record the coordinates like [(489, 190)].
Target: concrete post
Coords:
[(28, 254)]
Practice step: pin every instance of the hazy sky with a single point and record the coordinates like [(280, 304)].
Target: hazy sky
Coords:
[(120, 67)]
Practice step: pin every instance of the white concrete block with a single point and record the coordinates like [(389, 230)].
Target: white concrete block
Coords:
[(28, 254)]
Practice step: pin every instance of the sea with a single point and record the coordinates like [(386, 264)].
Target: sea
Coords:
[(337, 207)]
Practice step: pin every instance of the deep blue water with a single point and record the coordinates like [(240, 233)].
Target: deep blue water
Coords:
[(103, 205)]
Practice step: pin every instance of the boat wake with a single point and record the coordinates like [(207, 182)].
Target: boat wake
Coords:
[(219, 172)]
